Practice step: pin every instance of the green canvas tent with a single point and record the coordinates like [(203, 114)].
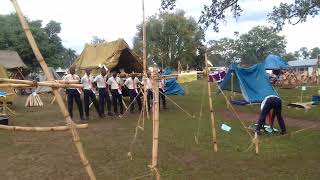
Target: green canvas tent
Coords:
[(116, 55), (12, 94)]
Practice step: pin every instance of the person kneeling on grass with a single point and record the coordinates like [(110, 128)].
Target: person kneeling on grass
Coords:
[(269, 103)]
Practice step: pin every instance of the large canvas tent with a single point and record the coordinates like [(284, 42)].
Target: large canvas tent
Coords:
[(42, 77), (116, 55), (253, 82), (274, 62), (172, 87), (12, 94), (13, 63)]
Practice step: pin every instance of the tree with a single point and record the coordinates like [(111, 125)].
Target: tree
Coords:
[(217, 12), (304, 52), (12, 37), (290, 57), (315, 52), (171, 38), (250, 48), (97, 40)]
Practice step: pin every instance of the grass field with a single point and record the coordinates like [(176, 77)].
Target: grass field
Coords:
[(107, 142)]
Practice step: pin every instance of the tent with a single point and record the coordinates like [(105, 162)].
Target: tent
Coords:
[(171, 85), (13, 63), (274, 62), (116, 55), (252, 82), (12, 94), (42, 77)]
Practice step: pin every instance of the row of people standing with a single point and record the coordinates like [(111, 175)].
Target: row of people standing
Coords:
[(104, 85)]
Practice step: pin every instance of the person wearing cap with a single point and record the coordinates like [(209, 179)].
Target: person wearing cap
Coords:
[(101, 81), (161, 93), (115, 83), (88, 91), (148, 83), (271, 102), (73, 93), (132, 84)]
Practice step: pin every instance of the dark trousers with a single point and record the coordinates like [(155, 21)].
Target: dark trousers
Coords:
[(149, 98), (275, 104), (117, 98), (74, 94), (89, 95), (162, 97), (103, 98), (133, 94)]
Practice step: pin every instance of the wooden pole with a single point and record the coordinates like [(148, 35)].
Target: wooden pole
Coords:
[(214, 135), (256, 142), (156, 124), (63, 109), (41, 129)]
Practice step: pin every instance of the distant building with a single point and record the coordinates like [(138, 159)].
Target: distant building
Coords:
[(304, 65)]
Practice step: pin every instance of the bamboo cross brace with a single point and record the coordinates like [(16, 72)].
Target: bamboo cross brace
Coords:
[(213, 126), (42, 129), (26, 83), (70, 123)]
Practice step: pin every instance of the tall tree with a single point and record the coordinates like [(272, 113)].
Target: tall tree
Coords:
[(13, 38), (304, 52), (97, 40), (171, 38), (315, 52), (216, 12)]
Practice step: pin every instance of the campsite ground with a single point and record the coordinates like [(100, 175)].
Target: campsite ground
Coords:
[(52, 155)]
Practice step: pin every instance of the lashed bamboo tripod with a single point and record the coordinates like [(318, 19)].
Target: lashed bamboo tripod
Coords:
[(71, 125)]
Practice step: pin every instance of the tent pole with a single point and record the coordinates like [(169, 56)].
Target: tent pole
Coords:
[(213, 126), (144, 38), (156, 124), (63, 109)]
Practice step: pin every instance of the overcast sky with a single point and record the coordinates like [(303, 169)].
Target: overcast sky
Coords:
[(82, 19)]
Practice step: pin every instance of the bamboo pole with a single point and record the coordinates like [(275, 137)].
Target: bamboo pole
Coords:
[(42, 129), (26, 83), (256, 142), (144, 44), (214, 135), (15, 85), (156, 124), (70, 123)]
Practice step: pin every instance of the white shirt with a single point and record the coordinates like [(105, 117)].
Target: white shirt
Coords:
[(101, 81), (161, 84), (115, 83), (148, 83), (265, 100), (87, 81), (70, 77), (132, 84)]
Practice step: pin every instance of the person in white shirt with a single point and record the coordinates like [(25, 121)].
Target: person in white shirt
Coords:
[(271, 102), (101, 82), (88, 91), (132, 84), (115, 83), (148, 83), (73, 93), (161, 93)]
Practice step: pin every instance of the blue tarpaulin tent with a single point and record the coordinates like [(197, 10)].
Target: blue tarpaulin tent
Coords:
[(273, 62), (172, 87), (252, 82)]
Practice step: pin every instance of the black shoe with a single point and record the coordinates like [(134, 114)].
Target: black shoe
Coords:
[(110, 114), (283, 132), (82, 118)]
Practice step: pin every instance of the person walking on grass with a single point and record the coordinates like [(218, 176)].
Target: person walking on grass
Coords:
[(132, 84), (271, 102), (101, 81), (89, 94), (115, 83), (73, 94)]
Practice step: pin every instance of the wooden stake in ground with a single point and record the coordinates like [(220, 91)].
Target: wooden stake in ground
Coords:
[(144, 44), (156, 124), (59, 100), (214, 135)]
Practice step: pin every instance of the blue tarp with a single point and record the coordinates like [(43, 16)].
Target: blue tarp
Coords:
[(172, 87), (253, 82), (275, 62)]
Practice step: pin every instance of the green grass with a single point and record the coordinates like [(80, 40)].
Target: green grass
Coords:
[(107, 142)]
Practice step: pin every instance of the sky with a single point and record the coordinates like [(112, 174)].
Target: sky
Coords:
[(82, 19)]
